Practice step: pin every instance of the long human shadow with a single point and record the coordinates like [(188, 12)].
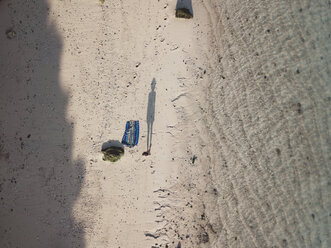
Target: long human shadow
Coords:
[(39, 181), (187, 4), (150, 116)]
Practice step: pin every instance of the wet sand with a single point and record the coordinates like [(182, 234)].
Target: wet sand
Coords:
[(266, 113)]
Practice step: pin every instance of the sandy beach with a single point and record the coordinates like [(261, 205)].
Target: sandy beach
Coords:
[(240, 138)]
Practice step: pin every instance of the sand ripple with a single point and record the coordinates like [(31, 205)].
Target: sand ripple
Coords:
[(269, 117)]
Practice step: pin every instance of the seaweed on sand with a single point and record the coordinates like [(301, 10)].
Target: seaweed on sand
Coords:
[(183, 13), (112, 153)]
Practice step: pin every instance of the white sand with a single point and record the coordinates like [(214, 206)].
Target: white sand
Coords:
[(78, 70)]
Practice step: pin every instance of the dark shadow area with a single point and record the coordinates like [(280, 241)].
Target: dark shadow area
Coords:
[(110, 143), (150, 116), (185, 4), (39, 181)]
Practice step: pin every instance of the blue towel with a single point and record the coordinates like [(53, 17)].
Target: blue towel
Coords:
[(131, 134)]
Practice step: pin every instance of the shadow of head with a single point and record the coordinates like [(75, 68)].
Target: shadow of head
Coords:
[(153, 84), (185, 4), (110, 143)]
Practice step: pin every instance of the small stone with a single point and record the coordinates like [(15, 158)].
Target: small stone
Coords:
[(10, 34), (299, 108)]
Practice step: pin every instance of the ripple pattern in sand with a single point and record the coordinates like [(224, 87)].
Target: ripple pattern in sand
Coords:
[(270, 119)]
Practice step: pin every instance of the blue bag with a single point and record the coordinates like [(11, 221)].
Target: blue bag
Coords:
[(131, 134)]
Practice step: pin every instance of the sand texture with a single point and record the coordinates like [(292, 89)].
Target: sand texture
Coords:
[(268, 108), (234, 102)]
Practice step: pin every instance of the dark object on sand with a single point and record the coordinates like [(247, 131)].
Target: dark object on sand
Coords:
[(193, 159), (203, 237), (183, 13), (148, 152), (112, 153), (10, 34)]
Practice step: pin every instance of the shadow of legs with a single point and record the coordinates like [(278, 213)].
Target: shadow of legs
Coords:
[(149, 139), (148, 135), (151, 134)]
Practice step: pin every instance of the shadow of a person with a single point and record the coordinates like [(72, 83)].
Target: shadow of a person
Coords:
[(150, 117)]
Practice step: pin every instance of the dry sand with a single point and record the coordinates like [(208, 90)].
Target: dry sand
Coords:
[(242, 86)]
